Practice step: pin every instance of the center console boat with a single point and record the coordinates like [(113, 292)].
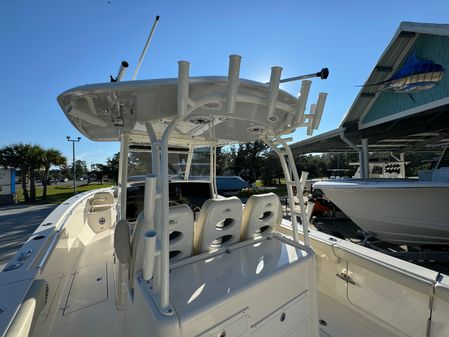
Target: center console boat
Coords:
[(165, 255)]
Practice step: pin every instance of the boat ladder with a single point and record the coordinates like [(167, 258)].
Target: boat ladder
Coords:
[(292, 179)]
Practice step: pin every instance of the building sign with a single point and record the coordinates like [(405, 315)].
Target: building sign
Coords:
[(414, 76), (7, 181)]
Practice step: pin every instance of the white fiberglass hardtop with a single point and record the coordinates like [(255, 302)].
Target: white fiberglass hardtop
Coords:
[(206, 109)]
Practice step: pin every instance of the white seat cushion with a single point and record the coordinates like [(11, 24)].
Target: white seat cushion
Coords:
[(180, 219), (261, 215), (218, 224)]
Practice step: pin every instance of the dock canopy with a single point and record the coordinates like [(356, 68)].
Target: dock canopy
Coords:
[(404, 104)]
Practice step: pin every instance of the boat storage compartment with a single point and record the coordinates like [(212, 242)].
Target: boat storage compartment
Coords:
[(260, 287), (89, 287), (375, 280)]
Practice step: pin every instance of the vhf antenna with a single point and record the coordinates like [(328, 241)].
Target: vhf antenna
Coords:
[(124, 64), (146, 47)]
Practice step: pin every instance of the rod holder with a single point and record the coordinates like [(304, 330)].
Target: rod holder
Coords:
[(233, 82), (311, 117), (149, 254), (319, 110), (302, 101), (183, 87), (121, 71), (273, 92)]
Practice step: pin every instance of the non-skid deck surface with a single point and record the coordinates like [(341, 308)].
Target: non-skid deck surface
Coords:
[(86, 305)]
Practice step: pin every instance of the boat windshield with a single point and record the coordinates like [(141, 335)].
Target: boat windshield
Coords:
[(140, 164)]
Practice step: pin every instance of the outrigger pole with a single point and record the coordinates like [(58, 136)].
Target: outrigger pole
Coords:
[(323, 74), (144, 51)]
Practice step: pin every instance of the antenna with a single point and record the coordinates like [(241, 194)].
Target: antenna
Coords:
[(156, 21)]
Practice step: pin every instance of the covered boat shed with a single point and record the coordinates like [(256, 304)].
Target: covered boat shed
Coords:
[(404, 104)]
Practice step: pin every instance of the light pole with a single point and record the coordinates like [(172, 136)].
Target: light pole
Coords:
[(74, 163)]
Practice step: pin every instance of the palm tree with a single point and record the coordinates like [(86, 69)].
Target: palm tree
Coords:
[(51, 157), (36, 161)]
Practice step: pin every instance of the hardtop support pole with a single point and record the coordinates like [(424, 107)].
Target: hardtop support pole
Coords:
[(287, 176), (123, 174), (183, 100), (122, 185), (164, 230), (213, 170), (189, 162)]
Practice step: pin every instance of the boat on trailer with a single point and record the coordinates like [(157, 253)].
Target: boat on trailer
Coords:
[(403, 211), (176, 268)]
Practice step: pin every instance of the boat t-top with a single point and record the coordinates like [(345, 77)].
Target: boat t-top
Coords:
[(176, 273)]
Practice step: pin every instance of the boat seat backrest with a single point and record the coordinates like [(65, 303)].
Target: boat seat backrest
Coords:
[(261, 215), (181, 237), (218, 224), (180, 220), (101, 201)]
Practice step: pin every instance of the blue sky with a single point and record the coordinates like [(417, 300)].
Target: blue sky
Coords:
[(50, 46)]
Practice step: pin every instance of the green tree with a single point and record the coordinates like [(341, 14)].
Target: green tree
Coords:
[(65, 171), (51, 157), (80, 169), (248, 160), (111, 167), (272, 169), (35, 161), (17, 156), (225, 157)]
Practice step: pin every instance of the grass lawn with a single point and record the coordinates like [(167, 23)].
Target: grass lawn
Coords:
[(58, 194)]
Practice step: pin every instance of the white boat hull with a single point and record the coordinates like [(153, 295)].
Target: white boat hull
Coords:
[(405, 211)]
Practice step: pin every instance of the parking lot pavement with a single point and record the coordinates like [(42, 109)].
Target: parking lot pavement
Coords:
[(17, 223)]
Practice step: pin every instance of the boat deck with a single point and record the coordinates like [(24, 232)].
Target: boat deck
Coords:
[(87, 304), (345, 228)]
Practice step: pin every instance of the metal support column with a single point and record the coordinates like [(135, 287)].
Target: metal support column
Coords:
[(359, 151), (365, 158), (123, 174), (402, 164)]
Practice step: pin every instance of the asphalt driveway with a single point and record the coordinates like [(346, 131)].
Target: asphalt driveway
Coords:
[(17, 223)]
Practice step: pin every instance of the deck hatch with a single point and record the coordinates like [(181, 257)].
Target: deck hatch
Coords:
[(89, 287)]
